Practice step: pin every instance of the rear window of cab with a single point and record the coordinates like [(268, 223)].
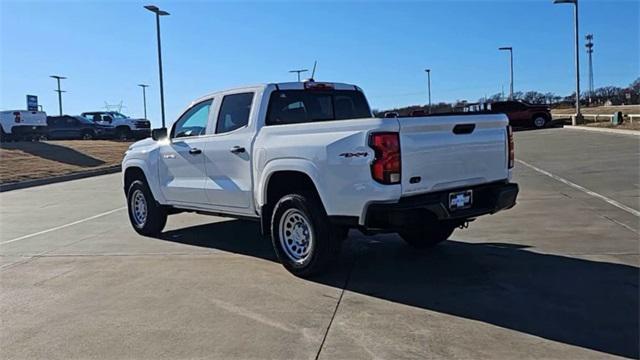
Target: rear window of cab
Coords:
[(302, 106)]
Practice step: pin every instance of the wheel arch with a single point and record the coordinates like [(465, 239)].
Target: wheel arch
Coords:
[(282, 180), (137, 170)]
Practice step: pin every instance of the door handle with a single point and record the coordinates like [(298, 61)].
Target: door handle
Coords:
[(195, 151), (237, 149)]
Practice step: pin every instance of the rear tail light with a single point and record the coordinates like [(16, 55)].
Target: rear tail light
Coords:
[(386, 166), (512, 152), (17, 116)]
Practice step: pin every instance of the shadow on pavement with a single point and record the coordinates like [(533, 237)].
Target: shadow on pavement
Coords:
[(54, 152), (579, 302)]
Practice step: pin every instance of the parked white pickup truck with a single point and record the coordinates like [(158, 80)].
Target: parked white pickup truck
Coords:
[(22, 124), (310, 162)]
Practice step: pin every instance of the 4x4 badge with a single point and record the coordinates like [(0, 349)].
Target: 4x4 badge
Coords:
[(357, 154)]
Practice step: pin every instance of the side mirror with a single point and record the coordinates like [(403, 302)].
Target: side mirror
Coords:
[(158, 134)]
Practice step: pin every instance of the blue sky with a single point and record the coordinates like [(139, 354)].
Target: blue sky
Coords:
[(105, 48)]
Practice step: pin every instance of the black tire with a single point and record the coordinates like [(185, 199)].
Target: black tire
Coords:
[(422, 237), (156, 215), (324, 244), (88, 135), (539, 121), (123, 134)]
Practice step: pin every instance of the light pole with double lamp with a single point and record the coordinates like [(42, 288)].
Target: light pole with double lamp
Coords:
[(510, 49), (298, 72), (578, 117), (158, 12), (58, 78)]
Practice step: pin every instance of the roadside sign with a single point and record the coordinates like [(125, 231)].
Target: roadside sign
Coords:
[(32, 103)]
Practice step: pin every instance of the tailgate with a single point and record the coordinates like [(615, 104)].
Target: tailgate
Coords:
[(33, 118), (446, 152)]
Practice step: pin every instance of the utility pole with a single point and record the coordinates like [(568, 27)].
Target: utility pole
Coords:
[(578, 116), (589, 46), (144, 98), (158, 12), (510, 49), (58, 78), (428, 71), (298, 72)]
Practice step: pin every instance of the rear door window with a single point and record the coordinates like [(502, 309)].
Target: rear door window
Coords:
[(300, 106), (234, 112)]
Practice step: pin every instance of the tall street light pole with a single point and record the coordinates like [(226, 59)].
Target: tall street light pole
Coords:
[(510, 49), (58, 78), (578, 117), (144, 98), (428, 71), (298, 72), (158, 12)]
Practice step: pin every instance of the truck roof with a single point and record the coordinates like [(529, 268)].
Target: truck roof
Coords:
[(281, 86)]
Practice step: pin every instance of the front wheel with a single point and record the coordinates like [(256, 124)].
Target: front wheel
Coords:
[(146, 215), (123, 134), (88, 135), (421, 237), (302, 235)]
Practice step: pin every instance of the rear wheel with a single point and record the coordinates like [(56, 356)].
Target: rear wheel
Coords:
[(302, 235), (146, 215), (421, 237), (539, 121)]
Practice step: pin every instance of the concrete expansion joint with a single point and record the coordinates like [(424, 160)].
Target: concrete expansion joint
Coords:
[(335, 310)]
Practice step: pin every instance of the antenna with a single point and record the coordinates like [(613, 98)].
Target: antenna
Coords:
[(313, 72)]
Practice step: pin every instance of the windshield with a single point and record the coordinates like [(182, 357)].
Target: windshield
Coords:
[(117, 115)]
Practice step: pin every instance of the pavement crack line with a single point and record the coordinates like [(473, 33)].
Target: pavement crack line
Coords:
[(583, 189), (335, 310), (63, 226)]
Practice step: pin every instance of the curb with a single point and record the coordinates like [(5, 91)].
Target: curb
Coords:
[(610, 131), (61, 178)]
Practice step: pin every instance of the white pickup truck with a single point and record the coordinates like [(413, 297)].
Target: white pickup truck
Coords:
[(22, 124), (309, 162)]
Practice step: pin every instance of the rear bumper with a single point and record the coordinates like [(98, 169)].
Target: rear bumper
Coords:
[(487, 199)]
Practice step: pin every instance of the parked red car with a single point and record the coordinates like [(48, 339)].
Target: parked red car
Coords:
[(522, 114)]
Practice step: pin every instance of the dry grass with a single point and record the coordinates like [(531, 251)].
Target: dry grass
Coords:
[(34, 160), (604, 122), (624, 126), (607, 110)]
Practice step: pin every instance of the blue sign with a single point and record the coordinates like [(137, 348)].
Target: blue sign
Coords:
[(32, 103)]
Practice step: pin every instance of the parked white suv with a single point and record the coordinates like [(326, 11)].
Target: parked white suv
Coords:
[(125, 127), (310, 162), (22, 124)]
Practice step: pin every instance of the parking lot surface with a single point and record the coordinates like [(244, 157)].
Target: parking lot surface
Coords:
[(555, 277)]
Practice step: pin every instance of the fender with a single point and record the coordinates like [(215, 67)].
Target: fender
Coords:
[(287, 164), (150, 174)]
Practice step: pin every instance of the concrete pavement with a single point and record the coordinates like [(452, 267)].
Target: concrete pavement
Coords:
[(555, 277)]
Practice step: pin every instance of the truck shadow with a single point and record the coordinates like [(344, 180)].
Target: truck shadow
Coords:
[(579, 302), (54, 152)]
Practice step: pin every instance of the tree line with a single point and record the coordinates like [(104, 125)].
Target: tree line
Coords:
[(606, 95)]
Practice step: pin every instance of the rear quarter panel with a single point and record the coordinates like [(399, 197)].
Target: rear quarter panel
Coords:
[(326, 152)]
